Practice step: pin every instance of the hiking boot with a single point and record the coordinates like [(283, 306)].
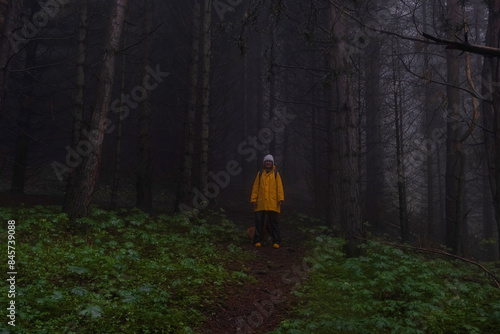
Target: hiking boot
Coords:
[(276, 246), (257, 244)]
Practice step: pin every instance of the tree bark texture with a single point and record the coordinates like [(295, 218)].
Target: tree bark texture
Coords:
[(89, 169), (346, 143)]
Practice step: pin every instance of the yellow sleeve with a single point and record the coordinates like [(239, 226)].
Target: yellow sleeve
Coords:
[(279, 185), (255, 190)]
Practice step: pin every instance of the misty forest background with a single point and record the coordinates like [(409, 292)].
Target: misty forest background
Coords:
[(373, 126)]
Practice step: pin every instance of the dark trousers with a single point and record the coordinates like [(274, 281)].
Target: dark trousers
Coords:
[(260, 218)]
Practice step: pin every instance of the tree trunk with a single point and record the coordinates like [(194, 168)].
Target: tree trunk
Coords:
[(491, 78), (456, 157), (493, 142), (496, 133), (8, 44), (78, 97), (119, 132), (277, 95), (185, 185), (398, 123), (345, 124), (454, 215), (79, 205), (333, 157), (205, 111), (317, 184), (491, 114), (429, 126), (374, 146), (268, 82), (144, 199), (24, 122)]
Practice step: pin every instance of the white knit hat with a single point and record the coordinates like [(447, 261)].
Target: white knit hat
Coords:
[(268, 158)]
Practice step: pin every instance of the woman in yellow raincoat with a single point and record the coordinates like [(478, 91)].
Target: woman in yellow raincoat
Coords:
[(267, 197)]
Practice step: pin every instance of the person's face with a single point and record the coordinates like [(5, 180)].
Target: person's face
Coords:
[(268, 164)]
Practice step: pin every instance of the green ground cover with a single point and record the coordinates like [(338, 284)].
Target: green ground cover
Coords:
[(391, 291), (127, 273)]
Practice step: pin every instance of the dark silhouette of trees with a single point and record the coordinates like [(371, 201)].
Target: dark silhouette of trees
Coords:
[(368, 107)]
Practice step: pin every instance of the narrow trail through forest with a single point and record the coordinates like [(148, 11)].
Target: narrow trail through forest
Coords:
[(260, 306)]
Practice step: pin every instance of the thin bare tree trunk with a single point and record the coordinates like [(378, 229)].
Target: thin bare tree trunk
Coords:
[(453, 146), (401, 171), (492, 116), (493, 142), (429, 126), (24, 122), (78, 97), (205, 111), (491, 79), (24, 126), (456, 157), (374, 145), (144, 172), (333, 185), (277, 94), (185, 185), (119, 131), (10, 24), (79, 205), (267, 81)]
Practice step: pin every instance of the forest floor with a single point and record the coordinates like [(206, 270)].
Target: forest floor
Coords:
[(255, 307), (239, 293)]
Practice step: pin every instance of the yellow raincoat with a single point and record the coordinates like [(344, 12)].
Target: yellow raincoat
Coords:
[(267, 191)]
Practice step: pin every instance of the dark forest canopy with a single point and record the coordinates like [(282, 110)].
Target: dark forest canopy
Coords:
[(171, 106)]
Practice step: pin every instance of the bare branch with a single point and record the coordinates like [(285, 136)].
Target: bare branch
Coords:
[(140, 41), (474, 48)]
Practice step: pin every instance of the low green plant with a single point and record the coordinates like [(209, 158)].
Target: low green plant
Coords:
[(391, 291), (128, 272)]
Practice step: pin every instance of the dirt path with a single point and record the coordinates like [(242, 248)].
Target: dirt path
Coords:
[(259, 307)]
